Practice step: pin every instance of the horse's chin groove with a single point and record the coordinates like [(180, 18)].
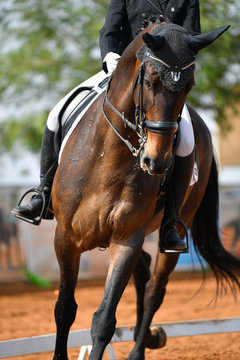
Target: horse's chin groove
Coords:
[(151, 172)]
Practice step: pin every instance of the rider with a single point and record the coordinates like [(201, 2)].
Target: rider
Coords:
[(123, 21)]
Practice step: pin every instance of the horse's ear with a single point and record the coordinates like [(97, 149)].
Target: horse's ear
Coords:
[(198, 42), (153, 41)]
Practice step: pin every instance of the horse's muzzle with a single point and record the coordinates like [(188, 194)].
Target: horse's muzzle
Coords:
[(156, 166)]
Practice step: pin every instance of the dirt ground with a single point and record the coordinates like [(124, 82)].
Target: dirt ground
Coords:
[(26, 310)]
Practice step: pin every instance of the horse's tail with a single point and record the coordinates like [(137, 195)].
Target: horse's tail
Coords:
[(206, 237)]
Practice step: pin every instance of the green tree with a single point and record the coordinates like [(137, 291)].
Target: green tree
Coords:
[(218, 71), (47, 47)]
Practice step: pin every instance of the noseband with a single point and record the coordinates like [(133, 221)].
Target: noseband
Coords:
[(159, 127), (141, 125)]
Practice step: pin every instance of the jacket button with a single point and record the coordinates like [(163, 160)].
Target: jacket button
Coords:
[(144, 16)]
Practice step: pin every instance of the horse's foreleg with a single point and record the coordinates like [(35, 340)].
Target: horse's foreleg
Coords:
[(141, 275), (123, 258), (66, 307), (147, 337)]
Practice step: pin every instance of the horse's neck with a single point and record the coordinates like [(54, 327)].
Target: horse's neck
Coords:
[(121, 106), (121, 94), (121, 97)]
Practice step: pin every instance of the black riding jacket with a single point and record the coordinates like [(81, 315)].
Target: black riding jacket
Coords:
[(125, 18)]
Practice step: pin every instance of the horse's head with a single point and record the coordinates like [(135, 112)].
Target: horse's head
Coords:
[(166, 76)]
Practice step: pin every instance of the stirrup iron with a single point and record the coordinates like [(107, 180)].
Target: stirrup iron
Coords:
[(178, 220), (46, 211), (37, 220)]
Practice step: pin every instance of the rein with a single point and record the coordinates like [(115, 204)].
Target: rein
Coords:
[(159, 127), (137, 127)]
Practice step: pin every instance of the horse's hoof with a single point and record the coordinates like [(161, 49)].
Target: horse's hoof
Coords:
[(157, 339)]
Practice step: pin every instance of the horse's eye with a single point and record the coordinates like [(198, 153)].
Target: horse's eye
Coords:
[(148, 85)]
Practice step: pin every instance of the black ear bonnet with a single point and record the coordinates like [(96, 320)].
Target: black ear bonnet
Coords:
[(167, 50)]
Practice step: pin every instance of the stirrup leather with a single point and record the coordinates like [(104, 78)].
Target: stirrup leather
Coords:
[(174, 220)]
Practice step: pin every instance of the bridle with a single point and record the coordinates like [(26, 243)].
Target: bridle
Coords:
[(141, 125)]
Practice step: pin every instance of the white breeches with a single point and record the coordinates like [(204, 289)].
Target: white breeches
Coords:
[(52, 120), (186, 143)]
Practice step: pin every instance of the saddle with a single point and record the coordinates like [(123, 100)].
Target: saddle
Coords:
[(71, 112), (73, 109)]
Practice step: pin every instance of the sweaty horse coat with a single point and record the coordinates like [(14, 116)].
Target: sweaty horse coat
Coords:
[(102, 197)]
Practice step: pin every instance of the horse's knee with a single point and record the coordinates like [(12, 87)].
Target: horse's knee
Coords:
[(103, 327), (65, 310)]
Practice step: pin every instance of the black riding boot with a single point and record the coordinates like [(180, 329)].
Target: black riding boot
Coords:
[(48, 160), (176, 193)]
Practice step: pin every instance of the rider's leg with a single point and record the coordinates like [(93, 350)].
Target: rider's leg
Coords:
[(48, 156), (180, 181)]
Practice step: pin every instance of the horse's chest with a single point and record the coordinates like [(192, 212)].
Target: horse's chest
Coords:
[(130, 212), (103, 218)]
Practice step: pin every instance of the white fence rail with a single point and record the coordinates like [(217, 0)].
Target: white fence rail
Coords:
[(82, 338)]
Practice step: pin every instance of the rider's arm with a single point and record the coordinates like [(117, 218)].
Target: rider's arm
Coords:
[(191, 18), (111, 34)]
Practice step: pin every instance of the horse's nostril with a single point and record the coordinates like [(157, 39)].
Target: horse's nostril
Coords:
[(154, 166), (150, 163), (147, 161)]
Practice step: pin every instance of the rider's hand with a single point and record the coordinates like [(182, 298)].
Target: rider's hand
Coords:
[(111, 60)]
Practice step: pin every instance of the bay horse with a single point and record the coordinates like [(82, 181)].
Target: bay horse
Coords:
[(107, 185)]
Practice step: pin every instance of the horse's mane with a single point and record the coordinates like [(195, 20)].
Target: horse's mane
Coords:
[(153, 20)]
